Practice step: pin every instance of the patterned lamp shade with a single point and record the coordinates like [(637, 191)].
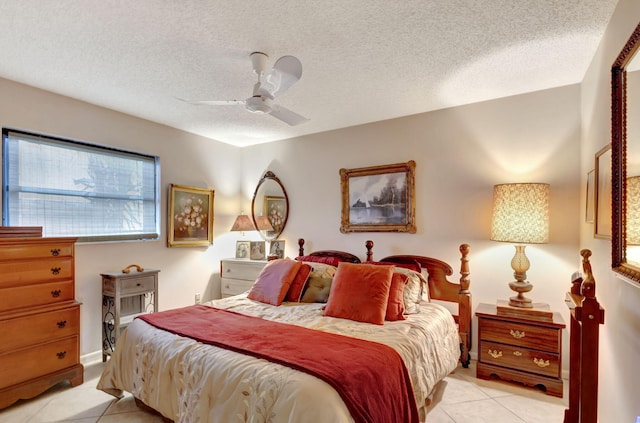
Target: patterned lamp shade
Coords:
[(633, 210), (521, 213), (263, 223), (242, 224)]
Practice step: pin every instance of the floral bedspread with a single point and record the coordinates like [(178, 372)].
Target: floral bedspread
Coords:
[(188, 381)]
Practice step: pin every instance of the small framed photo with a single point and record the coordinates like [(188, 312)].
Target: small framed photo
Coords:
[(276, 249), (242, 249), (257, 250)]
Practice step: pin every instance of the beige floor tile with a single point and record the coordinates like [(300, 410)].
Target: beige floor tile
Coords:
[(534, 410), (481, 411)]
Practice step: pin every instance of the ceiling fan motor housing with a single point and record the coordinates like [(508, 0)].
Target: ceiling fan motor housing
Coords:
[(259, 104)]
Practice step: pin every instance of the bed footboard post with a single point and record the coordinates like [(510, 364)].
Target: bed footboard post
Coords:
[(464, 307), (300, 247)]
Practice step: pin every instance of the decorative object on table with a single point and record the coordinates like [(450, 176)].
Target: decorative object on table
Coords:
[(521, 216), (378, 198), (190, 216), (242, 224), (242, 249), (602, 217), (125, 295), (591, 193), (257, 250), (276, 249)]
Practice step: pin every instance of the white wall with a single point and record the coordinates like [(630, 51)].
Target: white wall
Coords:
[(619, 378), (184, 158), (460, 154)]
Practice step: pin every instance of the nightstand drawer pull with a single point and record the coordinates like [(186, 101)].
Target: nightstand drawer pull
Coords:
[(517, 353), (541, 363), (495, 353), (517, 334)]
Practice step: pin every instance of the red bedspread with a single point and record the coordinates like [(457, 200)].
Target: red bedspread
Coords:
[(371, 378)]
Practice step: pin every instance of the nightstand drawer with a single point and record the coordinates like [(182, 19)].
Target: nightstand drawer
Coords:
[(241, 269), (518, 334), (235, 286), (130, 286), (526, 359)]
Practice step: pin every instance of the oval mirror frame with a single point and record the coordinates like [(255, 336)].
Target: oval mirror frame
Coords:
[(270, 199), (619, 158)]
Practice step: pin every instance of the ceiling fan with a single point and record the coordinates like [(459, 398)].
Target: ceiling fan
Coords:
[(285, 72)]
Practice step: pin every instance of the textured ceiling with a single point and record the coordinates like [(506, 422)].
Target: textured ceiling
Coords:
[(363, 60)]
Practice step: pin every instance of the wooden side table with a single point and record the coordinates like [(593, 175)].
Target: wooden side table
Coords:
[(125, 296), (520, 350)]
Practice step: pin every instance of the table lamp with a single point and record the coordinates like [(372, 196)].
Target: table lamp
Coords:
[(521, 216), (242, 224)]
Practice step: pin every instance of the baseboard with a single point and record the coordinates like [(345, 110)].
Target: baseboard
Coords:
[(91, 358)]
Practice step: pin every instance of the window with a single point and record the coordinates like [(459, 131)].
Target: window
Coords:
[(72, 188)]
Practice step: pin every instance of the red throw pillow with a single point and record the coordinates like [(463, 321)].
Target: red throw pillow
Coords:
[(295, 290), (274, 281), (333, 261), (360, 292), (395, 305)]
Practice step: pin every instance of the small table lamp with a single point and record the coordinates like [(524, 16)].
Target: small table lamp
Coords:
[(242, 224), (263, 223), (520, 215)]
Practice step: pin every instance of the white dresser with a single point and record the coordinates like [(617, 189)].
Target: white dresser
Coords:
[(237, 276)]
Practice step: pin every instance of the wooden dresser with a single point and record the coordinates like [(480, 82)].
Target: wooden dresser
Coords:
[(238, 276), (39, 317), (521, 350)]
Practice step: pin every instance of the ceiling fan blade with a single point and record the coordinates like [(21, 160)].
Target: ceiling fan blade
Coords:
[(286, 71), (287, 116), (216, 102)]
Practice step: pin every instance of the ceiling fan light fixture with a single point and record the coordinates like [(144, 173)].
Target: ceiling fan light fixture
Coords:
[(259, 104)]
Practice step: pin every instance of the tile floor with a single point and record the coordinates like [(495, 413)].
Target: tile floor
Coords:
[(459, 398)]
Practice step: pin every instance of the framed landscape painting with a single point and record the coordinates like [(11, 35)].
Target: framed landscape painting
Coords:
[(190, 216), (378, 198)]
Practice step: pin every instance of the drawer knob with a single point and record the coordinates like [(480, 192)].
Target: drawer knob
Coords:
[(55, 252), (495, 353), (55, 270), (517, 353), (61, 354), (55, 293), (517, 334), (62, 324), (541, 363)]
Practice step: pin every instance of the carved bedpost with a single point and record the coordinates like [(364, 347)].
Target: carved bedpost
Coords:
[(464, 307), (588, 288), (300, 247), (369, 245)]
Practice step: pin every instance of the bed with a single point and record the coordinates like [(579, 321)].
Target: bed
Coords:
[(185, 377)]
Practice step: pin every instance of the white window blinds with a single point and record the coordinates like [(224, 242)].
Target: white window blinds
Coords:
[(77, 189)]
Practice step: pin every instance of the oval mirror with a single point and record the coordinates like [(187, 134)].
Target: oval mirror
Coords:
[(270, 207)]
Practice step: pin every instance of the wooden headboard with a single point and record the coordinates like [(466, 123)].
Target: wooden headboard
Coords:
[(440, 288)]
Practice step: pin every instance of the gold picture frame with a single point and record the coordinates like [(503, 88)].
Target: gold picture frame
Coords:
[(190, 216), (379, 198), (602, 216)]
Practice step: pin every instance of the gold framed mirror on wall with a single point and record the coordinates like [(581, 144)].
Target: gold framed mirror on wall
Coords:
[(625, 166)]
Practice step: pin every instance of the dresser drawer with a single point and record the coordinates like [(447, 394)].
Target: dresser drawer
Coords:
[(27, 363), (31, 271), (234, 286), (129, 286), (517, 334), (39, 249), (539, 362), (36, 295), (36, 328), (239, 269)]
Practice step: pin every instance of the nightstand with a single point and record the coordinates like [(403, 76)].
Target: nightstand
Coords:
[(237, 276), (125, 296), (520, 350)]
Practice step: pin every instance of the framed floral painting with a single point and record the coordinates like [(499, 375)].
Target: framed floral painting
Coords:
[(190, 216), (276, 209)]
